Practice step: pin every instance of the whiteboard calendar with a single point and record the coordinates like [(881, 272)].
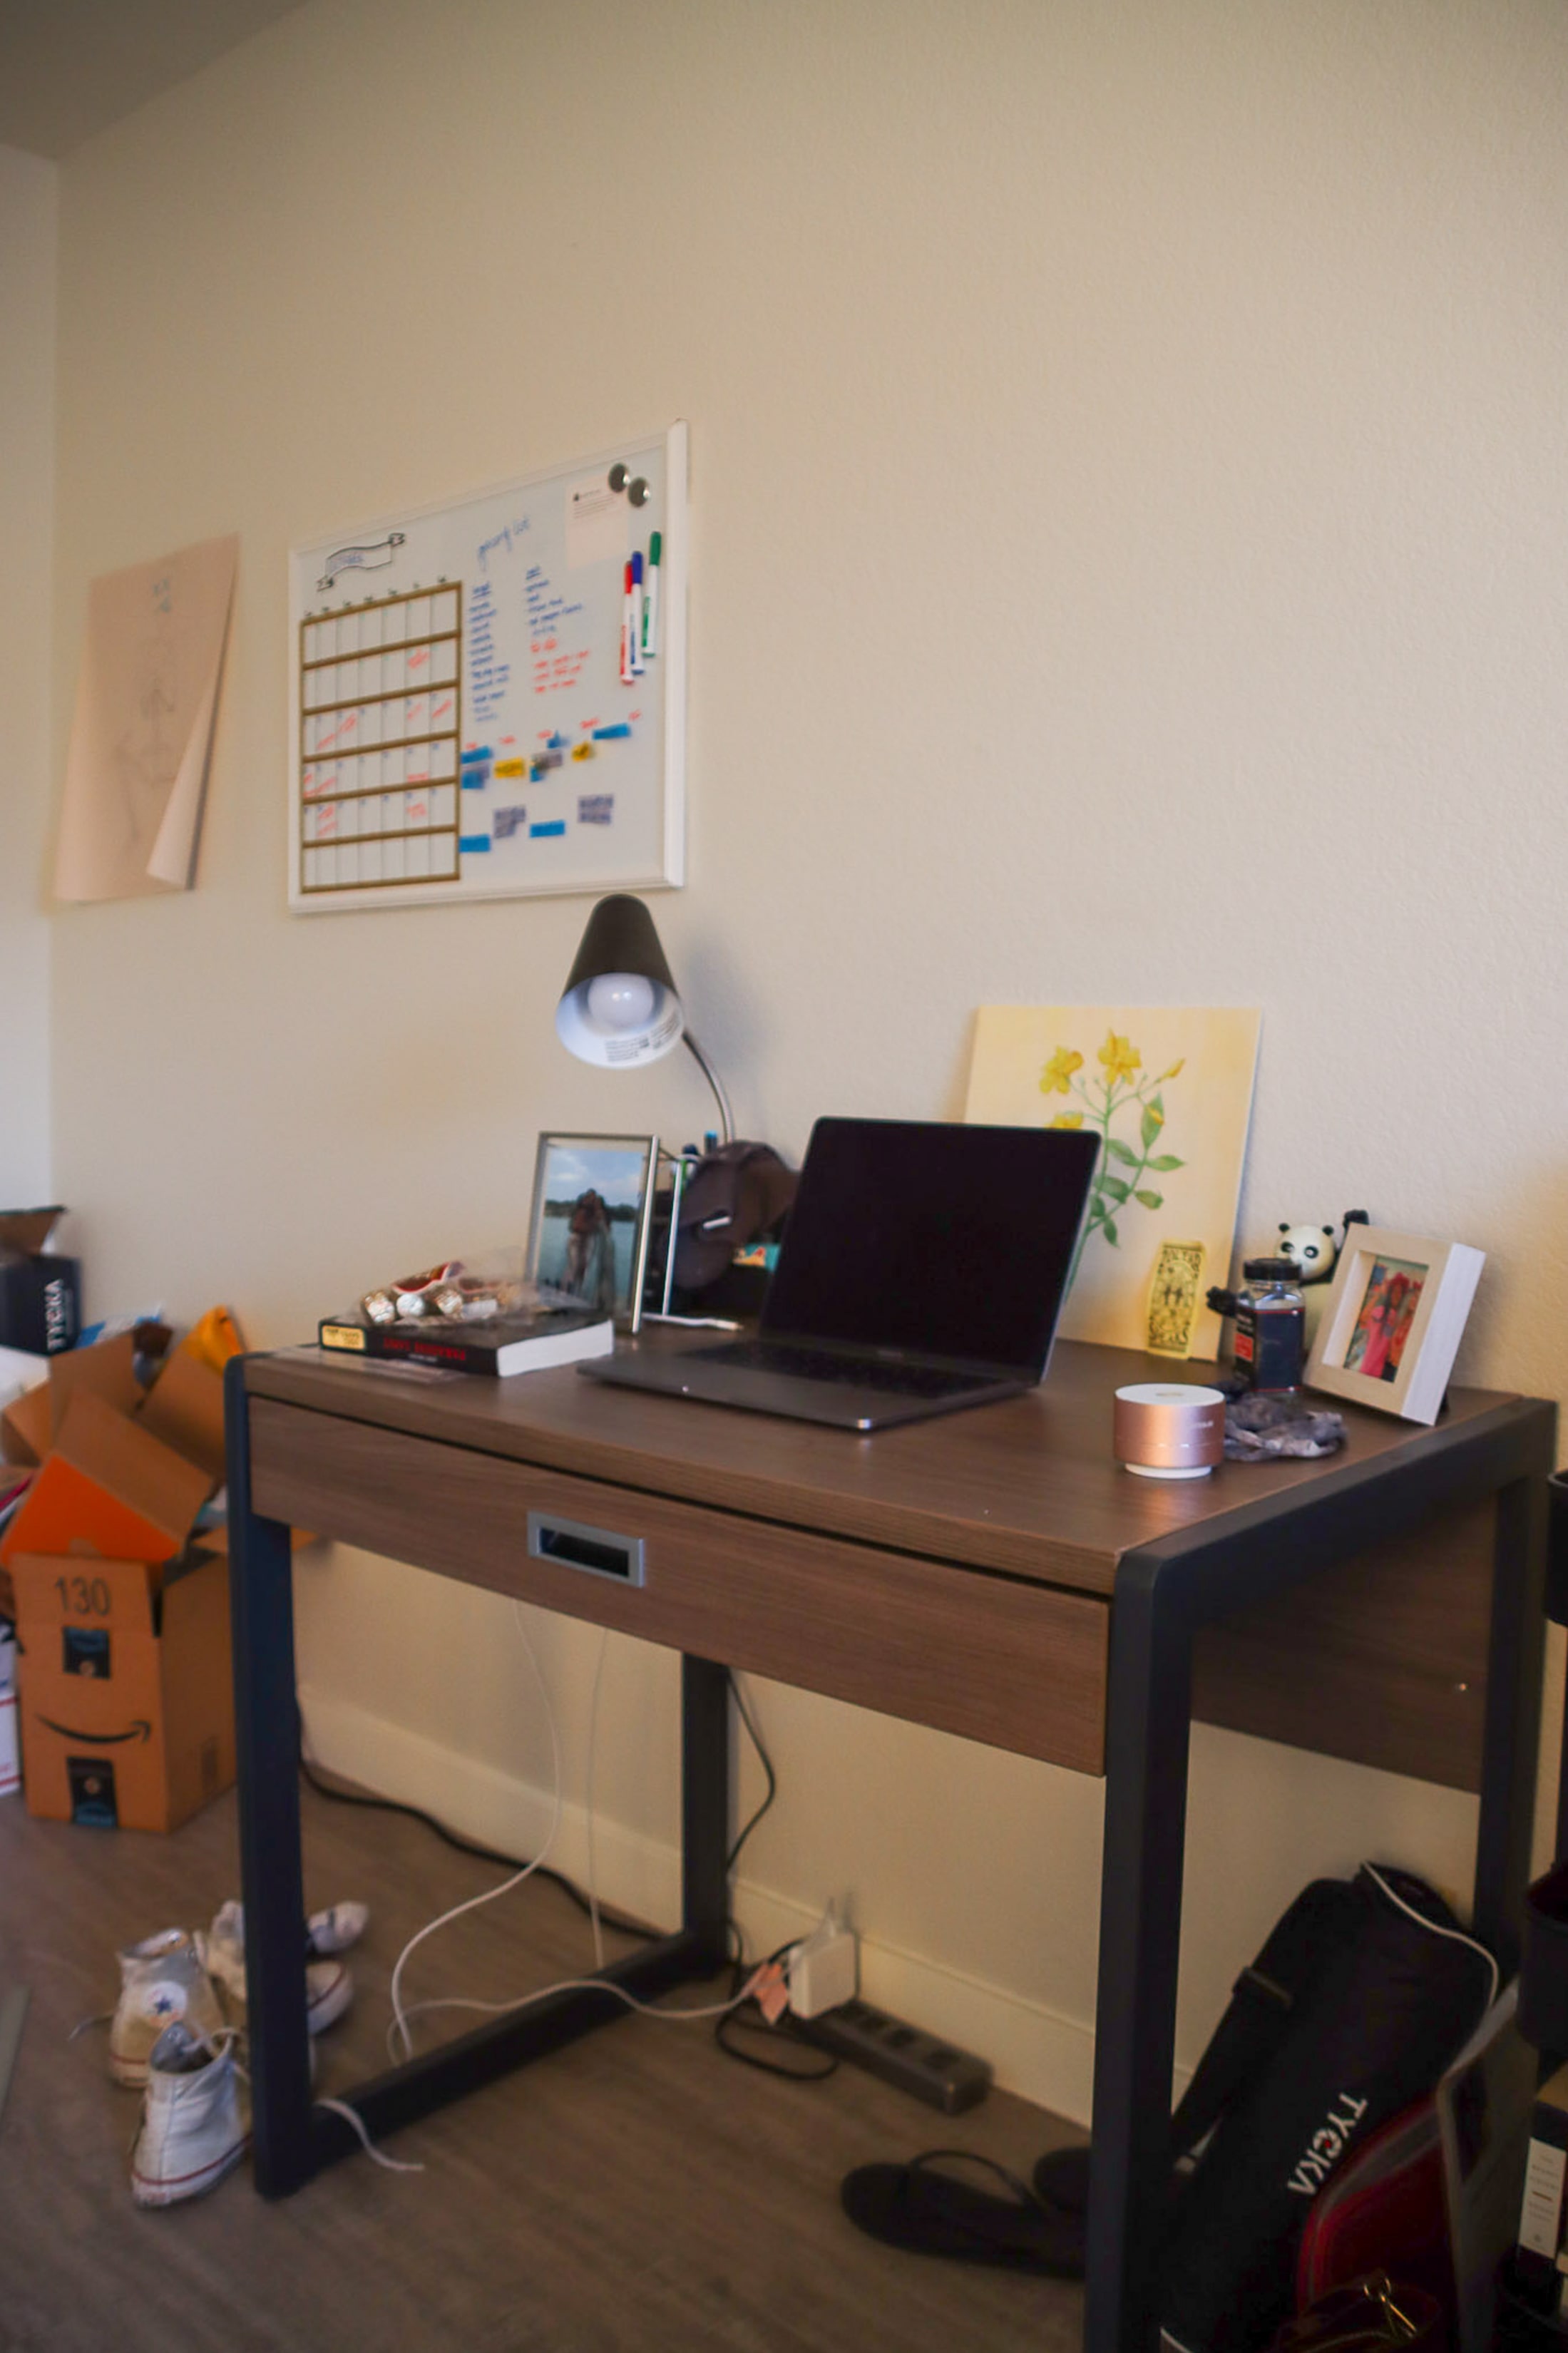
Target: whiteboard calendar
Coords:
[(489, 698)]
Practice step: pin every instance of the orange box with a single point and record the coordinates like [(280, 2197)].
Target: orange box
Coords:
[(107, 1489), (126, 1688)]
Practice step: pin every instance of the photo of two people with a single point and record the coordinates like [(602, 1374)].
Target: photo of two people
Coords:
[(588, 1207)]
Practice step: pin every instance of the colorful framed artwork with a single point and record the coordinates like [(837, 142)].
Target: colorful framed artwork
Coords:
[(1394, 1319)]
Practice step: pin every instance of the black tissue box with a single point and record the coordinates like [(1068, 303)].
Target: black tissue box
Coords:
[(40, 1295)]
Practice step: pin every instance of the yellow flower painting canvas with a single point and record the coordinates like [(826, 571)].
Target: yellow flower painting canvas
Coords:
[(1168, 1091)]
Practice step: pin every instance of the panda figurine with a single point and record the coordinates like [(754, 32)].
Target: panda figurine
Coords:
[(1314, 1253), (1312, 1250)]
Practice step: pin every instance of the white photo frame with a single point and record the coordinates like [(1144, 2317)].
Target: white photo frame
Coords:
[(1394, 1319), (620, 1171)]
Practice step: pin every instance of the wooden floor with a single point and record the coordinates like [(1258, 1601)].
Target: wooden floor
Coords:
[(638, 2193)]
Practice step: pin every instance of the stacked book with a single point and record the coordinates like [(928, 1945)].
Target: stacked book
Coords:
[(527, 1342)]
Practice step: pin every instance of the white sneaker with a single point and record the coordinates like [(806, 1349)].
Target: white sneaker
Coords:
[(162, 1979), (332, 1931), (193, 2130), (329, 1988)]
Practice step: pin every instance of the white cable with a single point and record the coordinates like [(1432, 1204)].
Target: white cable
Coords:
[(583, 1985), (377, 2157), (398, 2027), (1421, 1920), (592, 1753)]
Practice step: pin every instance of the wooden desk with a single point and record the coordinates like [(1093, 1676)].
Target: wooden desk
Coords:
[(993, 1573)]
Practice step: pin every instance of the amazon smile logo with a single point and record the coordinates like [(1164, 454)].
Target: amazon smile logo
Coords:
[(140, 1729)]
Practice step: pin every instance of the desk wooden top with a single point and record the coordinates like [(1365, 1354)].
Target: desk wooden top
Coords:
[(1027, 1487)]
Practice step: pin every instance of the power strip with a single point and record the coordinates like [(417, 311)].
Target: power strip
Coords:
[(917, 2063)]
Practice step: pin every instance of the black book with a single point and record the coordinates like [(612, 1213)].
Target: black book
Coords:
[(497, 1345)]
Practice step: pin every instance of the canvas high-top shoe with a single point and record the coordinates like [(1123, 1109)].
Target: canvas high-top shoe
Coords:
[(161, 1979), (193, 2127), (329, 1988)]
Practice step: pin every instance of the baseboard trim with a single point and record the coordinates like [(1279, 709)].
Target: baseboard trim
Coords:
[(1036, 2053)]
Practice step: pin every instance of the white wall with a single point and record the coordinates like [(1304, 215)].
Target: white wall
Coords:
[(28, 258), (1130, 501)]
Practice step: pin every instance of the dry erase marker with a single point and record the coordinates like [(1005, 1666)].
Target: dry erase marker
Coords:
[(627, 629), (650, 599), (637, 614)]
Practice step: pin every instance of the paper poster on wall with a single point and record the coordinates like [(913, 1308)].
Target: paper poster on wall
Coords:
[(489, 696), (1168, 1090), (136, 769)]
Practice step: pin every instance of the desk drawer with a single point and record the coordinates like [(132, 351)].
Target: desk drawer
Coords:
[(1015, 1665)]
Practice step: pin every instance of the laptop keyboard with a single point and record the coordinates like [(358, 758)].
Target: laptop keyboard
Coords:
[(822, 1365)]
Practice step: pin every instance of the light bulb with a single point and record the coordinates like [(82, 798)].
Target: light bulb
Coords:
[(620, 1000)]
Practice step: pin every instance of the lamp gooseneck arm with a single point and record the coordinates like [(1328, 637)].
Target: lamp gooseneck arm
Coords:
[(726, 1118)]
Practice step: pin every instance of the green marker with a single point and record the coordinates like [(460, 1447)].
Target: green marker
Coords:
[(650, 599)]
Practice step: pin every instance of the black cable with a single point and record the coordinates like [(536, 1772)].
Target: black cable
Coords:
[(763, 1758), (788, 2031), (734, 2022), (615, 1920)]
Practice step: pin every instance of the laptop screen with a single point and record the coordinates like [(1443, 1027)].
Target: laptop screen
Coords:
[(949, 1241)]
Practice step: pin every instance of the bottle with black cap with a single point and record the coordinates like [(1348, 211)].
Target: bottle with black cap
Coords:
[(1271, 1327)]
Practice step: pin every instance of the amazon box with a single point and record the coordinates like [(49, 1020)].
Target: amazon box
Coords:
[(108, 1489), (126, 1689)]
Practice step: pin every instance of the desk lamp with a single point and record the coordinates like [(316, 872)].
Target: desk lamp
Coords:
[(619, 1007)]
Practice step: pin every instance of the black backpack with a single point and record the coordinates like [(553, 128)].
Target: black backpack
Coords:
[(1361, 1995)]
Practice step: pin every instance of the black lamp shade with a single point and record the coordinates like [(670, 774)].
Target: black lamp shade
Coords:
[(619, 1007)]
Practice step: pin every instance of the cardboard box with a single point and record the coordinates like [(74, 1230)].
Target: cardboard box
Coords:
[(27, 1426), (127, 1694), (40, 1295), (184, 1409), (10, 1755), (108, 1489)]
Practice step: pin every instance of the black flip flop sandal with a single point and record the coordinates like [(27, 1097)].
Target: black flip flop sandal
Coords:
[(925, 2213)]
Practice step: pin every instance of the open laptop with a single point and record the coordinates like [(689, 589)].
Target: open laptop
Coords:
[(922, 1269)]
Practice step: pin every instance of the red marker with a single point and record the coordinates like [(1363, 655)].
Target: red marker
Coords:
[(627, 629)]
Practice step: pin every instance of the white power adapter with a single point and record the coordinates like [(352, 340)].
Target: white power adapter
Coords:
[(824, 1968)]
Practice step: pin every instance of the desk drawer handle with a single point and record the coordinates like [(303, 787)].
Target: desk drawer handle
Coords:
[(598, 1550)]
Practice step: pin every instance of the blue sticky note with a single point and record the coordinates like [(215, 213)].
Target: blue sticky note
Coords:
[(607, 734), (556, 824), (467, 841)]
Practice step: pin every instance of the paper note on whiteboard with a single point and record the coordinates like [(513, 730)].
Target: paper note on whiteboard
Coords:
[(136, 769), (595, 524)]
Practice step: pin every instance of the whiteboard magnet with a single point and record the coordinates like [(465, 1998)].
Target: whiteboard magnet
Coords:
[(636, 490), (619, 476)]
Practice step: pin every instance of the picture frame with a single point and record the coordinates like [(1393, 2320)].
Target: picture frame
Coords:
[(588, 1226), (1393, 1322)]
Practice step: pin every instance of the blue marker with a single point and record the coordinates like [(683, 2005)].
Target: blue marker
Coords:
[(634, 639)]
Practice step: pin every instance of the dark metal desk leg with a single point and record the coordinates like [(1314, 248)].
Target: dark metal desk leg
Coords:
[(1515, 1656), (267, 1728), (705, 1800), (1140, 1945)]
